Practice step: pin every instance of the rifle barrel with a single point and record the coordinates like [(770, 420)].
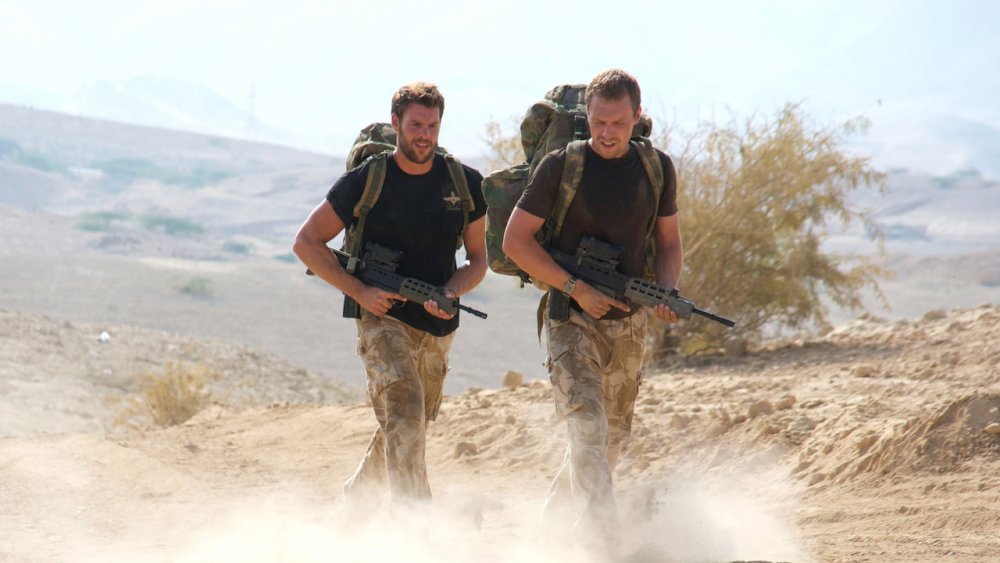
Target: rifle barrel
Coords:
[(714, 317), (472, 311)]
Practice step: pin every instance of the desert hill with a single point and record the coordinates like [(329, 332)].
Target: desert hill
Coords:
[(63, 377), (879, 441)]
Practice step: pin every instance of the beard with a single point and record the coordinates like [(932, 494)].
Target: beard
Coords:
[(409, 150)]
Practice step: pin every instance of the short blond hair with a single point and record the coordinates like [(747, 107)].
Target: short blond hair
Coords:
[(614, 83)]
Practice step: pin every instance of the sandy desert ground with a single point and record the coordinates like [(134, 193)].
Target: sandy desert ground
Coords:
[(879, 441)]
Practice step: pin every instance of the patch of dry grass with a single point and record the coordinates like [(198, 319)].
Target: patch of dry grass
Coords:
[(168, 398)]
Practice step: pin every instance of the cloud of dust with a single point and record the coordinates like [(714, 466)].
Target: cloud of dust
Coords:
[(450, 529), (684, 518), (698, 517), (741, 514)]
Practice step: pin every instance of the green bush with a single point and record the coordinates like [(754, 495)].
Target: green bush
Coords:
[(198, 287), (756, 199), (132, 169), (11, 151), (175, 226), (100, 221), (236, 247)]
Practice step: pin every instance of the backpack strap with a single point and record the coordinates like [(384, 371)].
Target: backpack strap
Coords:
[(572, 174), (654, 172), (576, 154), (373, 189), (461, 184)]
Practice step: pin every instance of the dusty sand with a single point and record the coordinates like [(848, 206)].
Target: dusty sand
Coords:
[(876, 442)]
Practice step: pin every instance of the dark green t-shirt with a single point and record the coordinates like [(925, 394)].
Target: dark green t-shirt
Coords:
[(614, 203)]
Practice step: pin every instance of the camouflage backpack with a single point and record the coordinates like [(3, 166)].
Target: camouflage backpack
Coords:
[(558, 120), (375, 143)]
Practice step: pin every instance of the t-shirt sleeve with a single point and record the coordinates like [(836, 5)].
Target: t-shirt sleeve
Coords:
[(475, 181), (668, 199), (346, 192), (539, 196)]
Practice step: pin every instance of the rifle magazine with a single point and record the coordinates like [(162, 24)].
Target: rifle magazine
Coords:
[(558, 305), (352, 310)]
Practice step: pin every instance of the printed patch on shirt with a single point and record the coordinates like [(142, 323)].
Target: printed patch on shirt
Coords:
[(452, 202)]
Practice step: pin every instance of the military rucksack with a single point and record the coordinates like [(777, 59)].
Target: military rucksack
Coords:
[(558, 120), (374, 145)]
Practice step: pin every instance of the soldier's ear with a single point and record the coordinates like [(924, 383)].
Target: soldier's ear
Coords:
[(395, 123)]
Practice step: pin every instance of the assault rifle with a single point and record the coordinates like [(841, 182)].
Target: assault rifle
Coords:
[(596, 262), (378, 268)]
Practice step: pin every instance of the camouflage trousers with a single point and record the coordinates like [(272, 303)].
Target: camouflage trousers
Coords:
[(595, 368), (406, 368)]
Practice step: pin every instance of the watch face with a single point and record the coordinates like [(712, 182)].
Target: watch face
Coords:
[(570, 285)]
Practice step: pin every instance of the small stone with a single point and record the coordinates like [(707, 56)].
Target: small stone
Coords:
[(465, 448), (735, 348), (863, 371), (678, 422), (934, 315), (104, 338), (512, 379), (993, 428), (760, 408), (785, 403)]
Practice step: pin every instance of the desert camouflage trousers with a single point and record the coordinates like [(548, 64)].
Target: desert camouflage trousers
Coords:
[(595, 368), (406, 368)]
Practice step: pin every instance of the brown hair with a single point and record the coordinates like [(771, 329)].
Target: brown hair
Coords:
[(423, 93), (613, 84)]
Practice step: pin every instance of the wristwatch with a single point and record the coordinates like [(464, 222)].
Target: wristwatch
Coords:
[(569, 286)]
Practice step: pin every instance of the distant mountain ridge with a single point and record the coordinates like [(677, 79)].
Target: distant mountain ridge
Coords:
[(70, 165), (176, 105)]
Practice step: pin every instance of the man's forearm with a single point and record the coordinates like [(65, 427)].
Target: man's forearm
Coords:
[(669, 266), (323, 263), (532, 258), (467, 276)]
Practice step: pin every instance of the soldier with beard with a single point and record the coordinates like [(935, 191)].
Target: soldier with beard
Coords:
[(404, 346)]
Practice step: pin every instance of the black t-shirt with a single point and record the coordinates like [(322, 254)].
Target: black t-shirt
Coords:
[(417, 215), (614, 203)]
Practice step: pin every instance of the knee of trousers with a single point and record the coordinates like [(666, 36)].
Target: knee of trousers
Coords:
[(403, 401), (587, 428), (576, 385)]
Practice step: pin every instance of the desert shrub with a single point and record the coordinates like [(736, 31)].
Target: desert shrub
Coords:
[(234, 247), (197, 287), (168, 398), (132, 169), (99, 221), (11, 151), (756, 197), (175, 226), (504, 142)]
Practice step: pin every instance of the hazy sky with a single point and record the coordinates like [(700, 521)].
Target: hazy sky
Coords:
[(322, 70)]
